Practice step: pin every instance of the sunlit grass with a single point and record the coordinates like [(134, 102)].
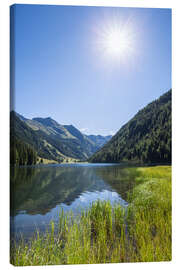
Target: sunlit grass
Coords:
[(150, 210), (106, 233)]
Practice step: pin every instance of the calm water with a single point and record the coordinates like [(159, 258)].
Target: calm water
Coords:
[(39, 193)]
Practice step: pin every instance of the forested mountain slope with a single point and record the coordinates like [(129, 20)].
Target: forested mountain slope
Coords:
[(48, 139), (145, 138)]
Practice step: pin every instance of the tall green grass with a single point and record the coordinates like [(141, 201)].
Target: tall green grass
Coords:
[(106, 233), (150, 210)]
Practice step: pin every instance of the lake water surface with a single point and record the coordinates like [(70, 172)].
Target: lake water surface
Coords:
[(38, 194)]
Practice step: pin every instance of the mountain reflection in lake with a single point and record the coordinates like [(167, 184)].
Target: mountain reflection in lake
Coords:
[(38, 194)]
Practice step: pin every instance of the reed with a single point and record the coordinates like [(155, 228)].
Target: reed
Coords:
[(108, 233)]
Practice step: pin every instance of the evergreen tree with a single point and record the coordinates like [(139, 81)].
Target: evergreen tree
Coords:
[(145, 138)]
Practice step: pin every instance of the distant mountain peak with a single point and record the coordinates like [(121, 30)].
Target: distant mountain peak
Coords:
[(21, 117), (48, 121), (54, 141)]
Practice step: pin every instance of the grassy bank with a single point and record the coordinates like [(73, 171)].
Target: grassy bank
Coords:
[(51, 161), (107, 233)]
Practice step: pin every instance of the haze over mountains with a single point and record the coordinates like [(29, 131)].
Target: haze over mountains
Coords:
[(52, 140)]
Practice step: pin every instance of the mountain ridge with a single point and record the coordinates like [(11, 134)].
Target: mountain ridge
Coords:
[(50, 139), (146, 138)]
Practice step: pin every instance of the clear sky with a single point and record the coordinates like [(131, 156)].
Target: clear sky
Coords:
[(71, 65)]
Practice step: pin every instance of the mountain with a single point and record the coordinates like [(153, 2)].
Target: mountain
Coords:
[(49, 139), (145, 138), (99, 140)]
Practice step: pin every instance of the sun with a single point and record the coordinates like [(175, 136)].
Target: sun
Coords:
[(117, 42), (116, 39)]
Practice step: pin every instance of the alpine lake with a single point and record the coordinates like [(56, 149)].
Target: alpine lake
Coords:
[(40, 193)]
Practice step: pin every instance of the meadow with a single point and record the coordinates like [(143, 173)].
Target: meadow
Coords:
[(106, 233)]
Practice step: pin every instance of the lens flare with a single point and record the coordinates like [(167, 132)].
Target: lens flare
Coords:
[(117, 42), (116, 39)]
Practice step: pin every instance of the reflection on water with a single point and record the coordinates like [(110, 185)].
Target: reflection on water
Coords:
[(39, 193)]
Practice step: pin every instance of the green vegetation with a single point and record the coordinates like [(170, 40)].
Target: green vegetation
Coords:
[(51, 140), (106, 233), (21, 153), (145, 138)]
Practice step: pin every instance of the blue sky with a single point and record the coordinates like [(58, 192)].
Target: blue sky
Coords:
[(63, 71)]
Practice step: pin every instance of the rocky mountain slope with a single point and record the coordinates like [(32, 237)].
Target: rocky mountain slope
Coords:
[(52, 140)]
